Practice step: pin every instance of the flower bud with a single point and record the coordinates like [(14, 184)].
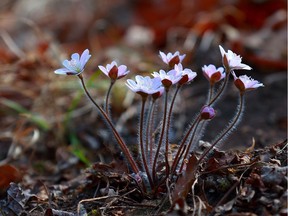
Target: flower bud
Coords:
[(207, 112)]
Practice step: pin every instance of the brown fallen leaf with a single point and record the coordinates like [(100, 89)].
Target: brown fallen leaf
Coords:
[(185, 181), (8, 174)]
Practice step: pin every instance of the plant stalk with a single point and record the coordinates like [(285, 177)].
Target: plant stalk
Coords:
[(123, 146), (224, 133), (141, 131)]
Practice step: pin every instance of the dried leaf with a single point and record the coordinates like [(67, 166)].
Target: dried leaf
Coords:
[(185, 181), (8, 174)]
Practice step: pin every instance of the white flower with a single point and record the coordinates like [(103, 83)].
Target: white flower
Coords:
[(232, 60), (113, 71), (187, 74), (213, 74), (76, 65), (172, 59), (168, 78), (145, 85), (245, 83)]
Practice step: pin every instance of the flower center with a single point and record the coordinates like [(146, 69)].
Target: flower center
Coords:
[(74, 64)]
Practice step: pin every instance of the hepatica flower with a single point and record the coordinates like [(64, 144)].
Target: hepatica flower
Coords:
[(145, 85), (245, 83), (168, 78), (232, 60), (171, 59), (187, 75), (76, 65), (213, 74), (207, 113), (113, 71)]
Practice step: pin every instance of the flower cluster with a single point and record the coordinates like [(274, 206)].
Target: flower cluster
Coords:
[(154, 140)]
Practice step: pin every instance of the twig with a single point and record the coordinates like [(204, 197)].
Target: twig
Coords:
[(230, 166)]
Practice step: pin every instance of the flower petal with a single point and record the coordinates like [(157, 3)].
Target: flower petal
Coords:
[(63, 71), (84, 58), (67, 64), (103, 69), (75, 56)]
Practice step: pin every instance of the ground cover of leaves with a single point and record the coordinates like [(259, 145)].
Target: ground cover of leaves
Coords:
[(253, 182)]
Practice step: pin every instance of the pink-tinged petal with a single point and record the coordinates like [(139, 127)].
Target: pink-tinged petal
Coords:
[(245, 83), (172, 59), (178, 68), (168, 78), (122, 71), (213, 74), (122, 68), (243, 67), (222, 51), (163, 57), (232, 61), (182, 57), (186, 75), (113, 71)]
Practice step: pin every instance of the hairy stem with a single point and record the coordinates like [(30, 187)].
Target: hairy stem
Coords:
[(169, 119), (182, 146), (211, 91), (203, 124), (141, 131), (161, 137), (211, 100), (149, 143), (107, 97), (189, 145), (167, 135), (222, 88), (123, 146), (226, 131)]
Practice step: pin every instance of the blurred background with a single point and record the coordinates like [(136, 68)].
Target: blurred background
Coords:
[(46, 119)]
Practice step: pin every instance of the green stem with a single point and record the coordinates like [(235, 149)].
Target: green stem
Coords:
[(116, 134)]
